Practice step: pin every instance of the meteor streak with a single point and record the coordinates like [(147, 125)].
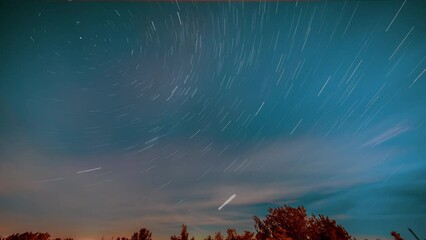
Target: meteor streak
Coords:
[(227, 201)]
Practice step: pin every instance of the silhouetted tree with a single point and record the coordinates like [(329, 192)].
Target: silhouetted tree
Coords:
[(29, 236), (143, 234), (218, 236), (247, 236), (324, 228), (135, 236), (232, 234), (265, 232), (287, 223), (262, 232), (184, 233), (396, 236), (284, 223)]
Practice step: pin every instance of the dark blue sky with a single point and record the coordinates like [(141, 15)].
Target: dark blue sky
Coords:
[(121, 115)]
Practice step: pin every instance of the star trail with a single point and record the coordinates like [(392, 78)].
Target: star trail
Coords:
[(121, 114)]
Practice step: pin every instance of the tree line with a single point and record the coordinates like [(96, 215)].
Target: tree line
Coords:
[(281, 223)]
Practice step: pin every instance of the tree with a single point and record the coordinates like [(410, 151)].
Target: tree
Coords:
[(135, 236), (396, 236), (184, 233), (287, 223), (232, 234), (29, 236), (324, 228), (262, 230), (143, 234), (218, 236), (266, 232), (247, 236)]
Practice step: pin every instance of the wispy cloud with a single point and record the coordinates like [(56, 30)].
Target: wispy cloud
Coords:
[(387, 135)]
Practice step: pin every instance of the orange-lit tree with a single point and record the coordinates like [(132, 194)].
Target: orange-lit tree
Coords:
[(396, 236), (183, 234), (29, 236), (287, 223), (143, 234)]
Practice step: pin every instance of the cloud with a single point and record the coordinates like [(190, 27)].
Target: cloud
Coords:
[(185, 186), (387, 135)]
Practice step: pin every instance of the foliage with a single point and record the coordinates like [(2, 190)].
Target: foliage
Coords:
[(29, 236), (143, 234), (289, 223), (183, 234), (396, 236), (282, 223), (218, 236)]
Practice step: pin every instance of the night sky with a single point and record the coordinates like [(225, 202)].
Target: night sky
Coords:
[(121, 115)]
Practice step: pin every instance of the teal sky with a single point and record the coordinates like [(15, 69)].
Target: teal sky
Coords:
[(118, 115)]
